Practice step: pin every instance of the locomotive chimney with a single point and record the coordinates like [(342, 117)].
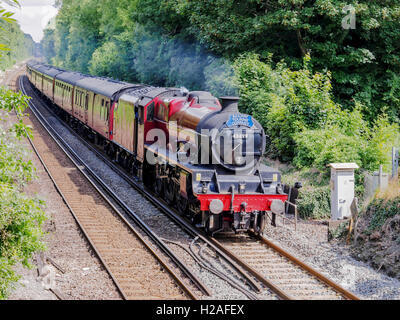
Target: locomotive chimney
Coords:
[(230, 104)]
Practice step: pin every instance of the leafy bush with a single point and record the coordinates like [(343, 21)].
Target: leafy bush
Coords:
[(110, 60), (21, 216), (20, 233), (257, 83), (369, 148), (323, 146), (284, 101), (382, 210), (314, 203), (383, 137)]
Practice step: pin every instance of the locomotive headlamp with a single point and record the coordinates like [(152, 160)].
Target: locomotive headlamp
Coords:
[(277, 206), (216, 206)]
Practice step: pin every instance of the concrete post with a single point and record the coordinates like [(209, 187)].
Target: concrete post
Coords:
[(395, 162)]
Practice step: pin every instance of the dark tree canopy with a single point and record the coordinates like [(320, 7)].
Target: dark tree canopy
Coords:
[(162, 41)]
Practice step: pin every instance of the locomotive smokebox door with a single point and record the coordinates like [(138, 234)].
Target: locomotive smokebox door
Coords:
[(342, 189)]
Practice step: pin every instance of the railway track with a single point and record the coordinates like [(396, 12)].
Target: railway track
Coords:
[(138, 271), (267, 264), (298, 280)]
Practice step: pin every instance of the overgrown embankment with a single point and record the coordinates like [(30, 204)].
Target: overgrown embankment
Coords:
[(21, 216), (377, 236)]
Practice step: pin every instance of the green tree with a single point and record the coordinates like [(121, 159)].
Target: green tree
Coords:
[(14, 44), (362, 60)]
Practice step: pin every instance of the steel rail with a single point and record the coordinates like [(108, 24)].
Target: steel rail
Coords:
[(270, 284), (330, 283), (68, 151)]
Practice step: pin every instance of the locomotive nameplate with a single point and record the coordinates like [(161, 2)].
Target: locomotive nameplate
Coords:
[(240, 120)]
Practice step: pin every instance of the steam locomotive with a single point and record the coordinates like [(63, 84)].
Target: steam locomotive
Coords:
[(200, 155)]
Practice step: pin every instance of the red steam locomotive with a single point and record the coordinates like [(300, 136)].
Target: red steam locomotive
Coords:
[(197, 153)]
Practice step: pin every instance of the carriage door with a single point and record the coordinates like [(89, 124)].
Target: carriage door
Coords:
[(135, 129), (86, 108), (107, 119), (92, 111), (140, 134)]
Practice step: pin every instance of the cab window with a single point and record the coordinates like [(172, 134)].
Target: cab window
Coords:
[(150, 112)]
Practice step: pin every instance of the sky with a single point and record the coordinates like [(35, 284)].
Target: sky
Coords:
[(33, 16)]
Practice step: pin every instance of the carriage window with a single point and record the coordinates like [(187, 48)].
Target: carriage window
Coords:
[(162, 113), (150, 112), (87, 102), (102, 102), (107, 110), (141, 115)]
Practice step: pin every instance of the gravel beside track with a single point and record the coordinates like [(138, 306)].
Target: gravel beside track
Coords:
[(334, 261)]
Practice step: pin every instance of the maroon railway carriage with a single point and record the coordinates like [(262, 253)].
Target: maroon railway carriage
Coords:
[(200, 155)]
